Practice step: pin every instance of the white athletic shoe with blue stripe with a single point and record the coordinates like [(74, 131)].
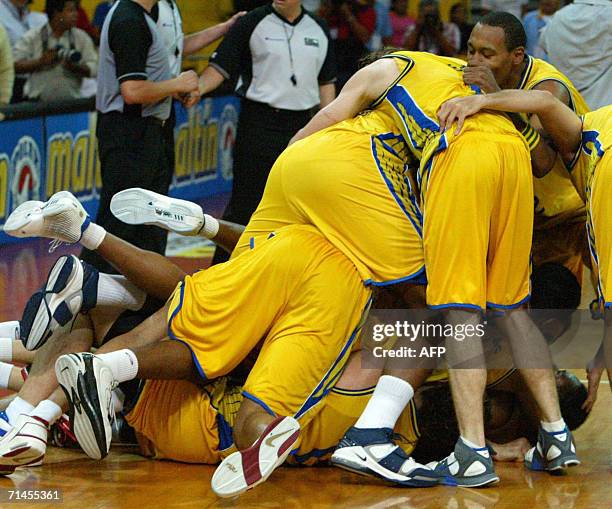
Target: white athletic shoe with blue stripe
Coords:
[(372, 452), (71, 287)]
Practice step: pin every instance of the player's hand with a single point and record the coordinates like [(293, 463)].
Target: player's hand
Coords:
[(187, 82), (482, 77), (457, 110), (594, 374), (230, 22)]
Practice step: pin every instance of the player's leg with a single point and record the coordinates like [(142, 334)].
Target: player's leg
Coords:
[(600, 233), (63, 219)]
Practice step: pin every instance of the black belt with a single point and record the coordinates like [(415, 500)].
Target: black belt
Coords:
[(156, 121)]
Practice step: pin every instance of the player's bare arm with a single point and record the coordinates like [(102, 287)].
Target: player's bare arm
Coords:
[(559, 121)]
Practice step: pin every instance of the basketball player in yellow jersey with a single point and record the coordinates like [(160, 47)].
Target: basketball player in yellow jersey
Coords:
[(585, 144), (497, 60), (478, 191)]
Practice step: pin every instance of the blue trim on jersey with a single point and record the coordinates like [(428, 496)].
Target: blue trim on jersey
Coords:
[(476, 89), (418, 278), (389, 184), (252, 243), (607, 305), (248, 395), (325, 385), (225, 433), (592, 137), (510, 306), (397, 96), (456, 305), (172, 336)]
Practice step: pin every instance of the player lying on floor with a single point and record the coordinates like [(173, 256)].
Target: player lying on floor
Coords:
[(585, 144), (309, 310), (124, 255)]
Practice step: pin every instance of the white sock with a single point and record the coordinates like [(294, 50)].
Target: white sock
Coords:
[(10, 329), (480, 449), (93, 236), (210, 228), (386, 404), (553, 427), (123, 363), (48, 411), (5, 374), (6, 349), (17, 407), (114, 290)]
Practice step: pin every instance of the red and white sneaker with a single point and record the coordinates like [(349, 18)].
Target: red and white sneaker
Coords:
[(24, 445), (245, 469)]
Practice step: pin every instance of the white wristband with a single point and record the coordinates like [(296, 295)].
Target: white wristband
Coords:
[(93, 236), (210, 227)]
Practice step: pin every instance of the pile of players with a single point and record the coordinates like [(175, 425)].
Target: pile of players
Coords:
[(409, 180)]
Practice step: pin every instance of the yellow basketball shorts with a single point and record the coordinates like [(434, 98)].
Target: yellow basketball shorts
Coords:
[(297, 295), (599, 226), (352, 188), (182, 421), (478, 222)]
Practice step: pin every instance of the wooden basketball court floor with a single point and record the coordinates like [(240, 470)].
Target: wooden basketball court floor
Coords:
[(126, 480)]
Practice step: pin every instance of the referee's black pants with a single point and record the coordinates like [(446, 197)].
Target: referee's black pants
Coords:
[(263, 133), (132, 153)]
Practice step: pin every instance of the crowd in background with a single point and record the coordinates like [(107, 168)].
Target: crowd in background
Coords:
[(52, 55)]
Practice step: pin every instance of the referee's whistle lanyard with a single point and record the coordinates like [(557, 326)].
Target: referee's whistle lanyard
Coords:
[(288, 37)]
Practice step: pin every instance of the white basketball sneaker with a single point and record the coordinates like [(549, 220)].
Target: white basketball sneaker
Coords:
[(24, 445), (88, 384), (62, 219), (140, 206)]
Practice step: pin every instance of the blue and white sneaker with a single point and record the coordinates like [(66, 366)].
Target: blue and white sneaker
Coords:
[(5, 425), (62, 218), (554, 451), (372, 452), (71, 287), (467, 467)]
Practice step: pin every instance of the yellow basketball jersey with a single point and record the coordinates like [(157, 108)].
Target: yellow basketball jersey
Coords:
[(554, 193), (596, 139)]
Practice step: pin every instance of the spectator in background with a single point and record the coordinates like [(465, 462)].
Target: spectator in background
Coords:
[(578, 42), (517, 8), (351, 24), (7, 73), (102, 9), (457, 16), (383, 31), (431, 34), (17, 19), (312, 5), (281, 58), (83, 22), (535, 22), (401, 23), (57, 56)]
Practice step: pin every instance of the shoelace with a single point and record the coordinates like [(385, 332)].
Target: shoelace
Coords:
[(54, 244)]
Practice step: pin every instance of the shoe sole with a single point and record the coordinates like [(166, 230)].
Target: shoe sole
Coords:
[(88, 423), (19, 219), (352, 459), (139, 206), (243, 470), (477, 482), (61, 288), (557, 468)]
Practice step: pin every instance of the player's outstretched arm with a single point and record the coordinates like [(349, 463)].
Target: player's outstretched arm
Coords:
[(364, 87), (559, 121)]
